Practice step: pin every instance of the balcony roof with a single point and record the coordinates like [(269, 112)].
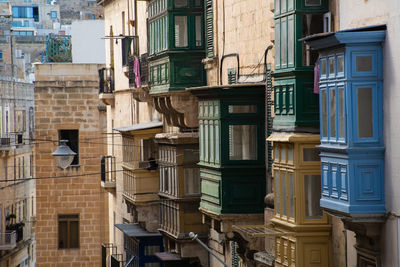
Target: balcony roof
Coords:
[(140, 126), (134, 230)]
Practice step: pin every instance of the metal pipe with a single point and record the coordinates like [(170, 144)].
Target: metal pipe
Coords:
[(222, 64), (193, 236)]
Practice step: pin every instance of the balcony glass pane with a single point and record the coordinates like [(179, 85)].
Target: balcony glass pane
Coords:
[(284, 41), (180, 3), (284, 196), (276, 154), (363, 63), (290, 4), (313, 2), (199, 35), (291, 195), (323, 67), (331, 66), (364, 108), (242, 109), (340, 63), (283, 153), (324, 114), (312, 190), (181, 31), (277, 193), (192, 181), (278, 43), (277, 6), (310, 154), (332, 110), (291, 38), (290, 153), (341, 113), (283, 5), (242, 142)]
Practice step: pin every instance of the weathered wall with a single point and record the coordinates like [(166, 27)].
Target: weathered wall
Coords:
[(66, 97)]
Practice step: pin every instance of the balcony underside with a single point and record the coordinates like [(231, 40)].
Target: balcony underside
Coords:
[(107, 98)]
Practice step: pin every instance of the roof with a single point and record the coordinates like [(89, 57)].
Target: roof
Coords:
[(140, 126), (134, 230), (368, 34)]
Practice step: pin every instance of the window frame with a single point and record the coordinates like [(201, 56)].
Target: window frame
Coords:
[(74, 147), (69, 220)]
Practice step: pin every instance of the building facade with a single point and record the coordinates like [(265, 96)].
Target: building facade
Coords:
[(18, 196), (71, 204)]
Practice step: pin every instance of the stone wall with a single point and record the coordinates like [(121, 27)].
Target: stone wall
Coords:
[(66, 97)]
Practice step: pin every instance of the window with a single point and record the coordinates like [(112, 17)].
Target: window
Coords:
[(127, 150), (277, 193), (148, 154), (181, 31), (312, 190), (231, 77), (232, 109), (73, 142), (364, 63), (68, 231), (310, 154), (26, 12), (313, 2), (149, 250), (198, 31), (180, 3), (364, 111), (1, 55), (191, 172), (242, 142), (332, 112), (20, 120), (324, 114), (341, 113), (53, 14)]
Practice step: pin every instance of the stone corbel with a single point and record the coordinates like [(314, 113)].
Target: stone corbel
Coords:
[(179, 110)]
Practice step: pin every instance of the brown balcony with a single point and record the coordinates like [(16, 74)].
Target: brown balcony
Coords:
[(5, 143), (8, 240), (106, 85), (108, 168), (178, 218), (140, 185)]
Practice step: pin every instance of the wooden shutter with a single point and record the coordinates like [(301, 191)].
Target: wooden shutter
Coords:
[(209, 28)]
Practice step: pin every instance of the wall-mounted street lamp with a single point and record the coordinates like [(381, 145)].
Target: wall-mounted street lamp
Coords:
[(63, 155), (194, 237)]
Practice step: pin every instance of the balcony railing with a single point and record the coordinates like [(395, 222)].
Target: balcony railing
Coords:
[(106, 81), (108, 167), (5, 143), (8, 240)]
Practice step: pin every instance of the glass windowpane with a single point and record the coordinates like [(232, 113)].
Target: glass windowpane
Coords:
[(341, 113), (312, 188), (277, 193), (290, 4), (291, 195), (199, 38), (181, 34), (242, 142), (363, 63), (324, 114), (278, 43), (313, 2), (323, 67), (284, 196), (74, 234), (283, 153), (340, 63), (364, 106), (291, 38), (290, 153), (283, 5), (242, 109), (180, 3), (310, 154), (331, 66), (284, 42), (276, 154), (332, 106)]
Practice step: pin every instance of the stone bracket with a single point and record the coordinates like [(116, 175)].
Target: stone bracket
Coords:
[(180, 109)]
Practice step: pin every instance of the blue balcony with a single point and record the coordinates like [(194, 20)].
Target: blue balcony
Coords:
[(351, 121)]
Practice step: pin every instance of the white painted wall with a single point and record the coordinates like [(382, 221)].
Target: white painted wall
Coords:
[(87, 43), (358, 13)]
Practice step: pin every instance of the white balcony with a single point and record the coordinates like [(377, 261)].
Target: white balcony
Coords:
[(8, 240)]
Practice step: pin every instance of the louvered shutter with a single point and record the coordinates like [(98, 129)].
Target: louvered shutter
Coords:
[(209, 28)]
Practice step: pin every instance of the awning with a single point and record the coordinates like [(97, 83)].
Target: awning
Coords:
[(134, 230), (168, 256), (140, 126)]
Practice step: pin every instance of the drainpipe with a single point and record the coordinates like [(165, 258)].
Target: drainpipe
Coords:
[(193, 236)]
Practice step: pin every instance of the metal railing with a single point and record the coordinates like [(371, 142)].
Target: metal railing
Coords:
[(108, 169), (106, 80), (8, 240)]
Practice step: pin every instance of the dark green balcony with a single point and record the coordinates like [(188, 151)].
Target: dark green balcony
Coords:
[(176, 45), (232, 148)]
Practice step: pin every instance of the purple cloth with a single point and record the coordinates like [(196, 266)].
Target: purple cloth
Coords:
[(316, 79), (136, 70)]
